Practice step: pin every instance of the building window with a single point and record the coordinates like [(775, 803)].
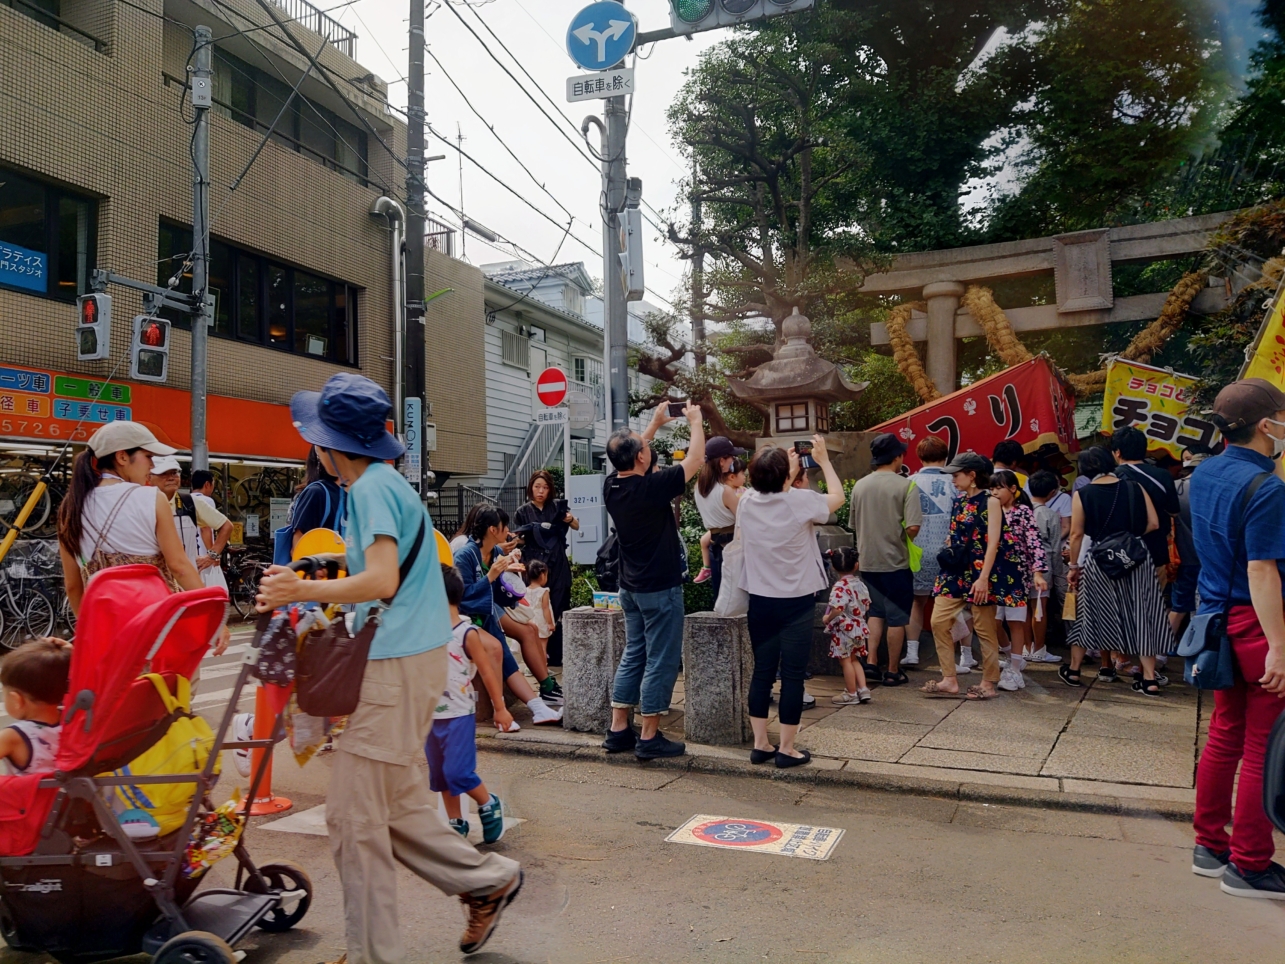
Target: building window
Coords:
[(262, 301), (47, 238), (254, 97), (580, 453), (792, 417), (823, 417), (587, 371), (42, 11), (515, 350), (573, 299)]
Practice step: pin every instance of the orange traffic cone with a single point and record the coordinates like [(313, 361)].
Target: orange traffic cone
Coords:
[(265, 717)]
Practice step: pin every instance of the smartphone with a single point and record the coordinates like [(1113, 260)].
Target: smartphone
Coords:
[(804, 449), (676, 409), (560, 506)]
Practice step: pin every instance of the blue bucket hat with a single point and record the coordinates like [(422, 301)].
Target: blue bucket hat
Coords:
[(348, 415)]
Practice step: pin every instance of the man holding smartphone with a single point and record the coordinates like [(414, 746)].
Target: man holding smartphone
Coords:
[(651, 579)]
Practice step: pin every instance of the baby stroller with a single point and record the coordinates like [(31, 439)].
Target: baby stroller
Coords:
[(73, 883)]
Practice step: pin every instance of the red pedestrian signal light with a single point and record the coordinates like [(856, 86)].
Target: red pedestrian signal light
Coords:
[(153, 334), (94, 327), (149, 349)]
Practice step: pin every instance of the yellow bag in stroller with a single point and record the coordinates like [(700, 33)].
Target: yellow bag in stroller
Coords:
[(183, 749)]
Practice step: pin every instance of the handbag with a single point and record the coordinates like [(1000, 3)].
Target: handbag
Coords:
[(1211, 662), (332, 663), (914, 552), (732, 599), (1120, 553), (953, 558)]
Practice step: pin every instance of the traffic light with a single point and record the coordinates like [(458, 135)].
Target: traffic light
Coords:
[(631, 253), (693, 16), (149, 349), (94, 327)]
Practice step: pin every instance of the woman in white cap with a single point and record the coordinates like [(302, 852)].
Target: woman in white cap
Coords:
[(110, 518)]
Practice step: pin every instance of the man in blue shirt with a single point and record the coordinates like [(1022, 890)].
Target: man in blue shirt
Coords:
[(379, 809), (1242, 556)]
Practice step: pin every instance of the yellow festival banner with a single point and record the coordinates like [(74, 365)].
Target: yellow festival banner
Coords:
[(1267, 359), (1157, 401)]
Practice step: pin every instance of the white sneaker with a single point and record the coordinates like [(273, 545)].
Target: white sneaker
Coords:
[(542, 714), (1042, 655), (1010, 680), (846, 699), (912, 653), (966, 657), (242, 730), (863, 694), (809, 700), (963, 668)]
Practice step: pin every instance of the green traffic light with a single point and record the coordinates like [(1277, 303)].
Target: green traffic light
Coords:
[(692, 11)]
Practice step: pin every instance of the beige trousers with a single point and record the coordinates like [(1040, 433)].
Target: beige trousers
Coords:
[(380, 811), (945, 609)]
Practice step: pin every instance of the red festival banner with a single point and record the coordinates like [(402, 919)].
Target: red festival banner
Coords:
[(1028, 403)]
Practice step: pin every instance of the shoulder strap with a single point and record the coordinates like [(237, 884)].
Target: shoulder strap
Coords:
[(187, 506), (1250, 491), (107, 525), (404, 569)]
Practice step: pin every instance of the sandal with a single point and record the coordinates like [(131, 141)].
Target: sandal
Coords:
[(1071, 677), (932, 690), (895, 679), (1107, 676), (981, 695), (1147, 687), (763, 756)]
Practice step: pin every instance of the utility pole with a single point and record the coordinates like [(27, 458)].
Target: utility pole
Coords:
[(459, 150), (615, 309), (698, 274), (413, 377), (201, 101)]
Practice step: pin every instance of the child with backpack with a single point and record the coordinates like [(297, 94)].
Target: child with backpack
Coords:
[(451, 746)]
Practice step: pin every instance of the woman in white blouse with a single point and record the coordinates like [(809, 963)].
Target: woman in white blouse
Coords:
[(783, 573), (110, 518)]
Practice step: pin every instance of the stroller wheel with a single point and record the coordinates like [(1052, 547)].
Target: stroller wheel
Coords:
[(284, 878), (195, 947)]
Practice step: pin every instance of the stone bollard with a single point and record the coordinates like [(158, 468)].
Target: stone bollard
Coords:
[(717, 665), (593, 641)]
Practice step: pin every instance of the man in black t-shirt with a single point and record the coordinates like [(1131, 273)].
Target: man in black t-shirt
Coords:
[(638, 499)]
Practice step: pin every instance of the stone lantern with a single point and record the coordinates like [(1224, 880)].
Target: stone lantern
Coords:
[(796, 387)]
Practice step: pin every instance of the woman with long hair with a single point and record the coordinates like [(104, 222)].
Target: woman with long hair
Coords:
[(717, 501), (549, 545), (110, 518)]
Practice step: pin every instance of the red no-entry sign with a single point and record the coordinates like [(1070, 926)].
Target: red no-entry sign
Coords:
[(551, 386)]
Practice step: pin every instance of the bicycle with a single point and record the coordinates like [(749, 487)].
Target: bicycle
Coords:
[(243, 572), (16, 485), (27, 610), (257, 490)]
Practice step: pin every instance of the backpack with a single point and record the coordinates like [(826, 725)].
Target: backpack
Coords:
[(187, 507), (283, 538), (607, 565)]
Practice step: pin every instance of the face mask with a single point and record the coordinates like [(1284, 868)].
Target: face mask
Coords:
[(1278, 444)]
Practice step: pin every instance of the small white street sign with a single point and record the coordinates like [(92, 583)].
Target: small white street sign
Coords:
[(551, 416), (607, 83)]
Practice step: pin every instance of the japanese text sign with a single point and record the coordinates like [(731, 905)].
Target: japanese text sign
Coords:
[(608, 83), (1268, 358), (1157, 401), (23, 268)]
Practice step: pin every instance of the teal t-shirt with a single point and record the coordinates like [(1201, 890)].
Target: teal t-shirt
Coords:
[(382, 503)]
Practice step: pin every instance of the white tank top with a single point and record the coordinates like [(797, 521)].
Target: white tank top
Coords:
[(42, 739), (132, 532), (713, 512)]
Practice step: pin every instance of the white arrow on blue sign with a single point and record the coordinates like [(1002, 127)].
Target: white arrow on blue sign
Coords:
[(601, 34)]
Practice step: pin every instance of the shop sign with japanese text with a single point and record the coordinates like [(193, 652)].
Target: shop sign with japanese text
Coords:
[(1157, 401)]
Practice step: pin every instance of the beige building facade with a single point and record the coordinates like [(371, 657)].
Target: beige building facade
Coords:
[(95, 172)]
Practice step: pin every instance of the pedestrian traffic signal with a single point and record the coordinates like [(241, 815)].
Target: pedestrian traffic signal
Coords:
[(693, 16), (149, 349), (94, 327)]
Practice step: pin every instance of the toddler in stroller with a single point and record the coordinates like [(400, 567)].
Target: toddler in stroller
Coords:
[(73, 882), (34, 677)]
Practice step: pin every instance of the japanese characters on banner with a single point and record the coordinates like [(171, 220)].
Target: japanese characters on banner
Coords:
[(1157, 401), (1028, 403), (1267, 360)]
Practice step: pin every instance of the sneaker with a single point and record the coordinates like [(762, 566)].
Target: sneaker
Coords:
[(242, 730), (912, 653), (963, 668), (1266, 884), (491, 814), (459, 825), (542, 714), (1207, 863), (809, 700), (863, 694), (658, 746), (1010, 680), (484, 913), (703, 575), (847, 699), (1107, 676), (618, 741), (966, 658), (1042, 655), (551, 692)]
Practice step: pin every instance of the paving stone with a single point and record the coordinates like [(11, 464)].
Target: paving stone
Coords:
[(910, 771), (988, 742), (846, 736), (963, 760), (1130, 790), (1120, 760), (1143, 722)]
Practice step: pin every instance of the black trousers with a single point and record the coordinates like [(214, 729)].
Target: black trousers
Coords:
[(781, 634), (717, 540), (559, 602)]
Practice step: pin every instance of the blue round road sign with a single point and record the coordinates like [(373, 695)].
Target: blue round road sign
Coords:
[(601, 34)]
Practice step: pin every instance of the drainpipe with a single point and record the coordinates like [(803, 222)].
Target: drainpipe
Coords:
[(386, 207)]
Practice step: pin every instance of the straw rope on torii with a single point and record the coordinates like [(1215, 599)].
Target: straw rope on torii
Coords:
[(990, 317)]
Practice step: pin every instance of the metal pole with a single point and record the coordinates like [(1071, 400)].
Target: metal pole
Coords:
[(698, 276), (415, 218), (201, 81), (615, 309)]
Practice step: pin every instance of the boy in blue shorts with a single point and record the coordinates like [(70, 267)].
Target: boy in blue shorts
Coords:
[(451, 747)]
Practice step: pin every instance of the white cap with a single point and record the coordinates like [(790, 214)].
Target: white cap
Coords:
[(122, 436), (165, 463)]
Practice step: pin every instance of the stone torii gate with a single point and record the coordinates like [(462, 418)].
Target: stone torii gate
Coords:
[(1080, 264)]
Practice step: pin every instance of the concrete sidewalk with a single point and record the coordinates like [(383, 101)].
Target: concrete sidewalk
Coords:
[(1102, 748)]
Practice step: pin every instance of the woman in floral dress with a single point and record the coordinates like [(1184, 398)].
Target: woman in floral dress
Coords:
[(968, 577), (1019, 571)]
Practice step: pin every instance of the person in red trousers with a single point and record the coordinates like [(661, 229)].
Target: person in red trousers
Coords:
[(1238, 514)]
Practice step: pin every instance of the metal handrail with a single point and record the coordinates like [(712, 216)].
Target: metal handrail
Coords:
[(99, 45), (340, 37)]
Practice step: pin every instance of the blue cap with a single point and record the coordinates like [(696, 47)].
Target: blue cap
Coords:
[(348, 414)]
